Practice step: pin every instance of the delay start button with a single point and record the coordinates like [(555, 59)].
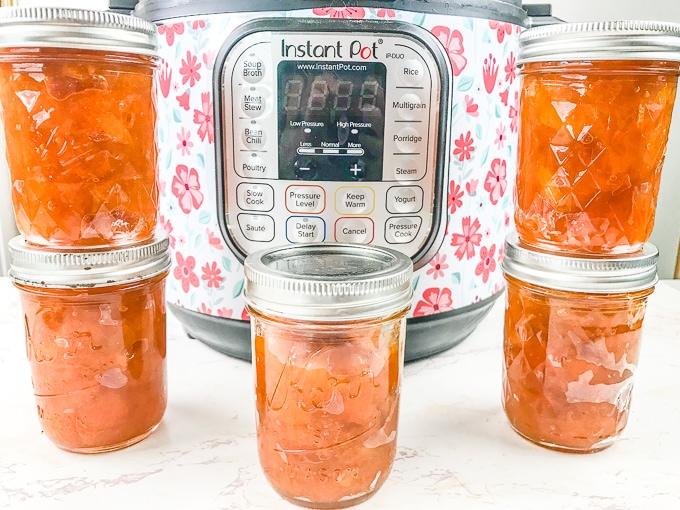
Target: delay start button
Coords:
[(402, 230), (305, 229)]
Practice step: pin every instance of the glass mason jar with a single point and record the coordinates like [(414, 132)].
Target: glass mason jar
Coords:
[(595, 112), (79, 114), (571, 344), (328, 326), (96, 341)]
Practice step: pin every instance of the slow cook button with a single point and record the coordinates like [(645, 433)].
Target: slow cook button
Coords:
[(257, 227), (253, 136), (255, 197), (305, 199), (253, 102), (354, 230), (359, 200), (411, 73), (408, 140), (305, 229), (404, 199), (252, 68), (402, 230), (410, 107)]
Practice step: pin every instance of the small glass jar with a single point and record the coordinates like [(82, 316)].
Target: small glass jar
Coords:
[(571, 344), (96, 341), (328, 325), (79, 113), (595, 112)]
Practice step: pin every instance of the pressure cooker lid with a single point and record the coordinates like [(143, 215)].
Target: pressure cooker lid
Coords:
[(502, 10)]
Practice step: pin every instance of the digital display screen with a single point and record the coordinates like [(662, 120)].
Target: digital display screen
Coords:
[(331, 118)]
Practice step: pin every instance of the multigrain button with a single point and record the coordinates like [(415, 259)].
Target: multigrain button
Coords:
[(411, 73), (410, 107), (252, 68), (354, 230), (253, 136), (408, 140), (253, 102), (305, 229), (257, 227), (402, 230), (359, 200), (404, 199), (255, 197)]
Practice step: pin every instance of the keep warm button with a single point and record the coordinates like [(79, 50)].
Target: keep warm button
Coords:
[(402, 230), (358, 200)]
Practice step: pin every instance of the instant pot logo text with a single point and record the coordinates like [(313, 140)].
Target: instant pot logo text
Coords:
[(356, 49)]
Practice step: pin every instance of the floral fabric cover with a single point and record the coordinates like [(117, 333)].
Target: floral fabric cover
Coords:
[(206, 277)]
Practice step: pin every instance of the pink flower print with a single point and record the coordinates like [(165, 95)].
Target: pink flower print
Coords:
[(184, 271), (183, 100), (165, 78), (453, 43), (166, 226), (209, 58), (464, 147), (433, 301), (471, 108), (170, 31), (455, 195), (490, 73), (510, 68), (204, 309), (495, 182), (185, 187), (225, 312), (504, 96), (500, 137), (204, 118), (189, 70), (185, 144), (514, 114), (487, 264), (212, 275), (471, 187), (197, 25), (162, 184), (467, 241), (341, 12), (437, 266), (502, 29), (386, 13), (245, 316), (213, 240)]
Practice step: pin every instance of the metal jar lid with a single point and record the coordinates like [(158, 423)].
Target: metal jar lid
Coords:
[(606, 40), (40, 267), (630, 273), (54, 27), (328, 282)]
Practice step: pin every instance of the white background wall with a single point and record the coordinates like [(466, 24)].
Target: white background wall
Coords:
[(667, 230)]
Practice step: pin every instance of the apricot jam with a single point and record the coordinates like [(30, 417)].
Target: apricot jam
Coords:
[(79, 121), (595, 114), (96, 342), (572, 343), (328, 328)]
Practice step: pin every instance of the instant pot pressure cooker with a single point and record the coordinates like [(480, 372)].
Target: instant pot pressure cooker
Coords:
[(391, 123)]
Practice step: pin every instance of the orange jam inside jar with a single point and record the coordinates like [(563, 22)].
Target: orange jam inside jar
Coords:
[(96, 342), (595, 113), (572, 343), (80, 120), (328, 328)]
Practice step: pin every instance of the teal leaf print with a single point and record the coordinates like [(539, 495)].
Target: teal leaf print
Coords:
[(479, 131), (238, 288), (465, 83), (485, 156), (204, 217), (468, 24), (414, 283), (498, 112), (168, 159), (198, 240), (454, 110), (226, 264), (201, 160), (176, 115), (456, 278)]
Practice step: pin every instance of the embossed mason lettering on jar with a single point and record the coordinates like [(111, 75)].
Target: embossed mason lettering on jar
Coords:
[(573, 329), (328, 327), (95, 340)]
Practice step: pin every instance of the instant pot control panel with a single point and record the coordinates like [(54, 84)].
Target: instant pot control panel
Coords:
[(332, 130)]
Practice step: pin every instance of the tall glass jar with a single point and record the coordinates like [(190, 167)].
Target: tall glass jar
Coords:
[(328, 326), (96, 341), (79, 115), (595, 113), (573, 328)]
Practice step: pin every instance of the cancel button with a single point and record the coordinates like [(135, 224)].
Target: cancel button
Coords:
[(402, 230)]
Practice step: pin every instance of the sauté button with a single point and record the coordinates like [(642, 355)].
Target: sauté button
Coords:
[(257, 227)]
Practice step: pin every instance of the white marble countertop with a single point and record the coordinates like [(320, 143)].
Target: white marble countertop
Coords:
[(456, 449)]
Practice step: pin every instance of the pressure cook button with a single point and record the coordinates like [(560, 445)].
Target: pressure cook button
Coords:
[(402, 230), (411, 107), (252, 68), (360, 200), (305, 199), (411, 73), (253, 102), (408, 140), (408, 169), (252, 166), (354, 230), (305, 229), (404, 199), (255, 197), (253, 136), (257, 227)]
